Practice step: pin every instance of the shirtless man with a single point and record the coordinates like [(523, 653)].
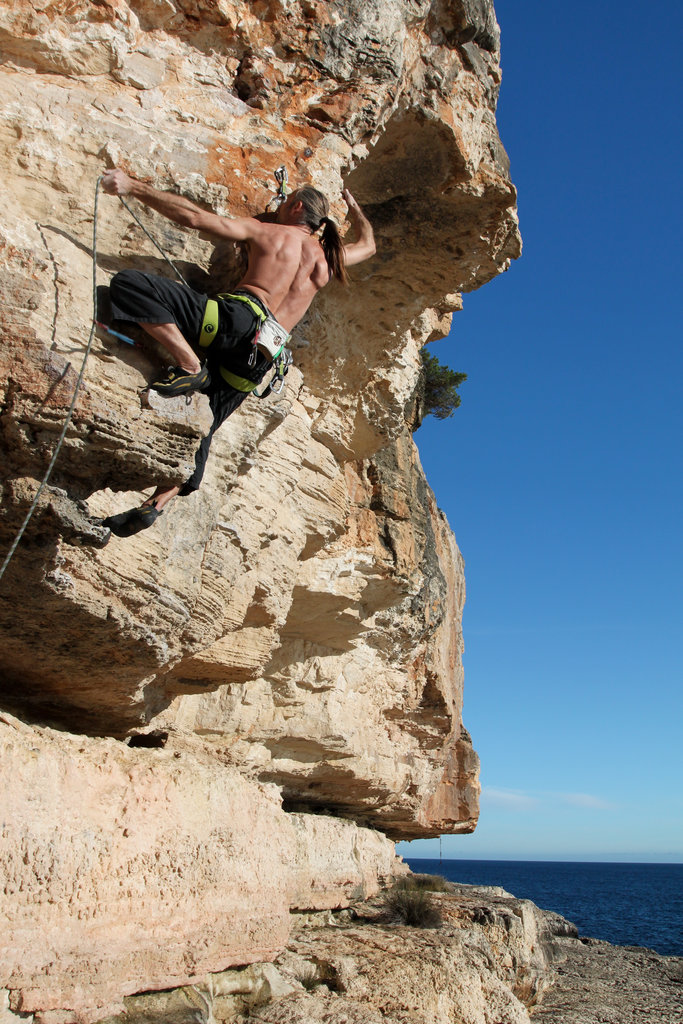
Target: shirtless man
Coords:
[(240, 334)]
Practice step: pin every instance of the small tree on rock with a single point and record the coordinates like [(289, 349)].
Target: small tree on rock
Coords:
[(441, 385)]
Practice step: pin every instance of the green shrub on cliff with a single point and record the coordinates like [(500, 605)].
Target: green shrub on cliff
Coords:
[(440, 397), (413, 907)]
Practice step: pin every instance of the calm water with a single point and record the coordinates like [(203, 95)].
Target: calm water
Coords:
[(626, 904)]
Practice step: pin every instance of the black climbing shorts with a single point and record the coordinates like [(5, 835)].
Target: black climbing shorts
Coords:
[(147, 299)]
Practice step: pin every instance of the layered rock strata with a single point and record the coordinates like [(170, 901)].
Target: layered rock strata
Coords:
[(289, 637), (133, 869), (492, 960), (310, 567), (495, 959)]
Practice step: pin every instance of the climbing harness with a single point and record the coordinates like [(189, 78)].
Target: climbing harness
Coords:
[(271, 336), (281, 365), (210, 322)]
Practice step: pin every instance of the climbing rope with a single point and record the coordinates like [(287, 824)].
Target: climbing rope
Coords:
[(69, 414), (154, 243), (95, 323)]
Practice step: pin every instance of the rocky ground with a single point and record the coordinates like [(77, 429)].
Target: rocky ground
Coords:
[(494, 959), (602, 984), (487, 962)]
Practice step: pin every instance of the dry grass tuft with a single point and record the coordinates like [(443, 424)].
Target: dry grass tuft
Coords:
[(413, 907)]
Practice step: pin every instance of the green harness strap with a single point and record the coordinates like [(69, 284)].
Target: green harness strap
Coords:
[(241, 297), (210, 327), (239, 383), (209, 323)]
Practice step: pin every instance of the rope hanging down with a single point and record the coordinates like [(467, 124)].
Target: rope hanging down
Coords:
[(154, 243), (69, 414), (95, 324)]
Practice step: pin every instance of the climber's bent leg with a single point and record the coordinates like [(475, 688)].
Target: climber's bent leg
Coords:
[(133, 520), (170, 337), (172, 314), (223, 401), (126, 524), (162, 496)]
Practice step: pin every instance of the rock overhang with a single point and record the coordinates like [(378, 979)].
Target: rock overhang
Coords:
[(184, 626)]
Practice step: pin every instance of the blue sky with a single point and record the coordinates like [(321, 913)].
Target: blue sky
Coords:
[(563, 478)]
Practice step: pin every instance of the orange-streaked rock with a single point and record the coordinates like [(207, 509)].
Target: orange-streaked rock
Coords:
[(297, 622)]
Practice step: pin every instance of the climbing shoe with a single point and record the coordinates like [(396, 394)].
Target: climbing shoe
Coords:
[(179, 382), (126, 524)]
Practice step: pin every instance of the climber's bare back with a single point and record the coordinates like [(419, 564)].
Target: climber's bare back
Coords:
[(286, 268), (286, 265)]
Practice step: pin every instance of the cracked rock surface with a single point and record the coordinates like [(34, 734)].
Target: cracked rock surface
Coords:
[(281, 650), (598, 983)]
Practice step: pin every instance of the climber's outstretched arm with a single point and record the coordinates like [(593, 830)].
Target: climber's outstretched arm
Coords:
[(181, 210), (364, 246)]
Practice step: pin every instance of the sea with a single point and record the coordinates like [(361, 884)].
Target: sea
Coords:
[(625, 904)]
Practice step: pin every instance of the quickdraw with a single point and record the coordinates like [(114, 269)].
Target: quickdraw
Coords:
[(276, 383), (283, 189), (283, 182)]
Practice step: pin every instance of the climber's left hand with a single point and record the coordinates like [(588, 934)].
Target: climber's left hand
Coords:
[(117, 183)]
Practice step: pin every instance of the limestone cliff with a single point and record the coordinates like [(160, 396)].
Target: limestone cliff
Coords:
[(286, 641)]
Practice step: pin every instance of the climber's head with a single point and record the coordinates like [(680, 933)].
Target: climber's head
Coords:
[(308, 207), (305, 205)]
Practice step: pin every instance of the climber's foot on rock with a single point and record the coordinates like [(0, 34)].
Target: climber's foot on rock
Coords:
[(93, 535), (180, 382), (126, 524)]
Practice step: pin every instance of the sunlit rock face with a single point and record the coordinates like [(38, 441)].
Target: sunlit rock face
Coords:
[(296, 622), (358, 709), (127, 869)]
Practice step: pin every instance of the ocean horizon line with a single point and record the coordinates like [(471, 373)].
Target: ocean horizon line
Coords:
[(543, 860)]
